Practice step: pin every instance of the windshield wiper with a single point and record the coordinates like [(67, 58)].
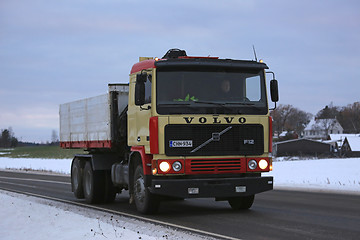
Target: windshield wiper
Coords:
[(246, 104), (208, 102), (223, 105), (174, 104), (240, 103)]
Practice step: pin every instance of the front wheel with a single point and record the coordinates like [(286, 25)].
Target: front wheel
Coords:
[(241, 203), (145, 201)]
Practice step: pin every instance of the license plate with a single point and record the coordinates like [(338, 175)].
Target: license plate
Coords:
[(180, 143)]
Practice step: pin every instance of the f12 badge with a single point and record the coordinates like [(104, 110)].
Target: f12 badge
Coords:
[(249, 141)]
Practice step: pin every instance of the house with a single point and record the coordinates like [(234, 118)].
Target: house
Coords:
[(286, 135), (322, 128), (351, 147), (339, 138), (302, 147)]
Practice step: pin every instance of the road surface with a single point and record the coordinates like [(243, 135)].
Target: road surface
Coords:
[(274, 215)]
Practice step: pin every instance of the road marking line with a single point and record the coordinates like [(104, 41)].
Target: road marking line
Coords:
[(18, 184), (35, 180)]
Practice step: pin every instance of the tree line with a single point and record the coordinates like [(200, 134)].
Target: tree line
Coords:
[(8, 139), (287, 118)]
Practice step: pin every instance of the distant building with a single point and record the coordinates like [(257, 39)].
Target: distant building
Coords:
[(322, 128), (339, 138), (303, 147), (351, 146), (286, 135)]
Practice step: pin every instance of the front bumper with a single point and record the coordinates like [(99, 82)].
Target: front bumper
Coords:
[(211, 187)]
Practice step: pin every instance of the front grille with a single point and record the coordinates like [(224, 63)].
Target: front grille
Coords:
[(214, 140), (208, 166)]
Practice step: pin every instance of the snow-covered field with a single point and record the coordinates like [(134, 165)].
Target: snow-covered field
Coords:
[(341, 175), (43, 219)]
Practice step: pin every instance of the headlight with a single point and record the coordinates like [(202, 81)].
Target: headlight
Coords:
[(252, 164), (263, 164), (164, 166), (177, 166)]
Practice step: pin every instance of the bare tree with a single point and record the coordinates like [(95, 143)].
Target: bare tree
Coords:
[(349, 118), (329, 112), (54, 137), (289, 118)]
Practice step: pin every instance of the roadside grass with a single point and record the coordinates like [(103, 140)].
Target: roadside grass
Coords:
[(50, 152)]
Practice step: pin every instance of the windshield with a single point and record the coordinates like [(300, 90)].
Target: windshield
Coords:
[(211, 92)]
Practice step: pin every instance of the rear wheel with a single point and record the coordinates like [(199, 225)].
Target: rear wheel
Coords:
[(145, 201), (241, 203), (110, 190), (77, 179), (94, 185)]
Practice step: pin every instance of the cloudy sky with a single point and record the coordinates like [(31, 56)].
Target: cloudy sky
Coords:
[(53, 51)]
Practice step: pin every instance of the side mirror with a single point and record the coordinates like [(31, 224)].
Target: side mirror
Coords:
[(274, 90), (140, 89)]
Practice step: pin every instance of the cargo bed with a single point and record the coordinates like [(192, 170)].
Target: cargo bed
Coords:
[(88, 123)]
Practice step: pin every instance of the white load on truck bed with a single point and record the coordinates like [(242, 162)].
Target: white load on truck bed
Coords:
[(87, 123)]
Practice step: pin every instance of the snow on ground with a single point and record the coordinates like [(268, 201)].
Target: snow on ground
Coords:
[(27, 217), (341, 175), (52, 165), (43, 219)]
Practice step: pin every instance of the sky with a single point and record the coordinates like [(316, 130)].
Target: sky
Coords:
[(52, 52)]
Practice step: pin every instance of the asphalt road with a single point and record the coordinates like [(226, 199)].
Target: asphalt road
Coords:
[(274, 215)]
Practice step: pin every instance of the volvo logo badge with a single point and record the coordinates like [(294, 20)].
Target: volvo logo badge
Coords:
[(216, 137)]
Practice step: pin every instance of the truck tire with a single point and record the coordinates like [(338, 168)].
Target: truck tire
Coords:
[(241, 203), (145, 201), (94, 185), (110, 190), (77, 179)]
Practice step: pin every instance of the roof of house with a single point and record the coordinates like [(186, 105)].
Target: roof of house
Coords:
[(301, 139), (341, 137), (354, 143), (320, 123)]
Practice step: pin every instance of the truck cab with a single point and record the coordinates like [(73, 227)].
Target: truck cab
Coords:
[(204, 123)]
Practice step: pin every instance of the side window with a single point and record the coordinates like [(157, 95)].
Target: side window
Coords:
[(253, 89), (148, 89)]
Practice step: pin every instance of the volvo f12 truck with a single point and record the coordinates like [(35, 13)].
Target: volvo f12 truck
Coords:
[(183, 127)]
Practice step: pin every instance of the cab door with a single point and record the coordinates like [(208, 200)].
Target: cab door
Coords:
[(139, 115)]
